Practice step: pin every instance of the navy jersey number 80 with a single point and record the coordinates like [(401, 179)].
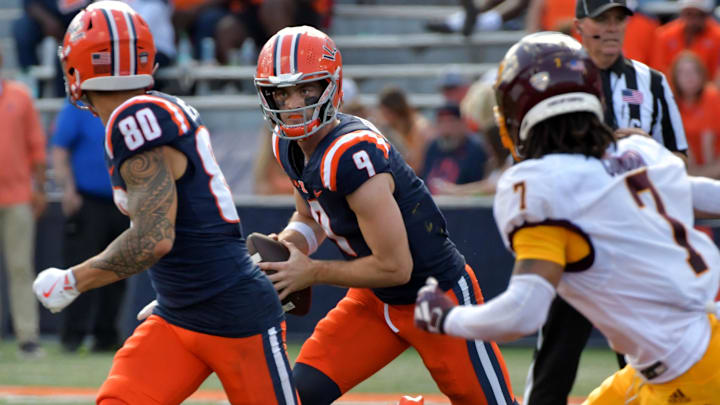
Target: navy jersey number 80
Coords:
[(194, 282)]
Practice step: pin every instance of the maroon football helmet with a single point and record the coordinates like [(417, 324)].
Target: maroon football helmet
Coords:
[(543, 75)]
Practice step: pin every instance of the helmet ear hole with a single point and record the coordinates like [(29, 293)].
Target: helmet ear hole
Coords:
[(89, 25), (71, 71)]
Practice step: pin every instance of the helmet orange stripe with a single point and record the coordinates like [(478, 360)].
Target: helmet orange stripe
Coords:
[(122, 53)]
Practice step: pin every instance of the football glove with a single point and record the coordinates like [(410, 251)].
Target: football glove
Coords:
[(432, 307), (147, 310), (55, 288)]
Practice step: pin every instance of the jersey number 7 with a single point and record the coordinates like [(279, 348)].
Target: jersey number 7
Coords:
[(640, 182)]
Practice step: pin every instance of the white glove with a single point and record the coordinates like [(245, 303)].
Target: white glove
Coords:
[(55, 288), (147, 310)]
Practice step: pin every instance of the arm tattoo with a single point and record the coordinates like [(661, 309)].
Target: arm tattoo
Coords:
[(151, 196)]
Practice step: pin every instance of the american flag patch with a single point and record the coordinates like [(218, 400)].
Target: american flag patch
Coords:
[(101, 58), (632, 96), (576, 65), (143, 58)]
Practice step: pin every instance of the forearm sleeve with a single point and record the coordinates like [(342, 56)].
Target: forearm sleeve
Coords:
[(705, 194), (519, 311)]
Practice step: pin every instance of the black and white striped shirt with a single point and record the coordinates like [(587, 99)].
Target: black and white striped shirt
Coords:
[(641, 98)]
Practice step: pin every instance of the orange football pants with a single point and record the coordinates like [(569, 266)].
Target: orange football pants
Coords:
[(362, 334), (164, 364)]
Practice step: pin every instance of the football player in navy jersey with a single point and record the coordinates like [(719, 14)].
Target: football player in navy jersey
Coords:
[(353, 187), (216, 311)]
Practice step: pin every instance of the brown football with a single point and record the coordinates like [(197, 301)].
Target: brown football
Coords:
[(266, 249)]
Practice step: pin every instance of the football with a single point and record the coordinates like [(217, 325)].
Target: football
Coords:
[(265, 249)]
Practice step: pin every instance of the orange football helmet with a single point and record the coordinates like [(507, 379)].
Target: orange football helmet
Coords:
[(297, 55), (107, 47)]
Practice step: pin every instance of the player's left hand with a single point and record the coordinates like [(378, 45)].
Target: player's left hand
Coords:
[(55, 288), (432, 307), (296, 274)]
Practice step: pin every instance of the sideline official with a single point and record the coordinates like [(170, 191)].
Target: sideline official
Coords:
[(636, 97)]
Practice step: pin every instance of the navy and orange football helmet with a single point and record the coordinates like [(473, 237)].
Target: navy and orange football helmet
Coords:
[(107, 47), (296, 55), (543, 75)]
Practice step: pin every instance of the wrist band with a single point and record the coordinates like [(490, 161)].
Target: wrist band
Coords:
[(306, 231)]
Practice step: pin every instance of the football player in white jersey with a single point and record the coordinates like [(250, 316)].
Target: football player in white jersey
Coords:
[(606, 224)]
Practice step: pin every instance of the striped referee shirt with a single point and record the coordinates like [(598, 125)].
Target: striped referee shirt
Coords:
[(641, 98)]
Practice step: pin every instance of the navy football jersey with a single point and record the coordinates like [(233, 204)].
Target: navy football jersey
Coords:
[(347, 157), (207, 282)]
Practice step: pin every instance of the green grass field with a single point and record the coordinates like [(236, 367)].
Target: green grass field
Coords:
[(404, 375)]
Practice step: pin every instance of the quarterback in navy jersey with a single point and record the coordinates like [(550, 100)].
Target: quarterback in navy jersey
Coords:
[(216, 311), (352, 186)]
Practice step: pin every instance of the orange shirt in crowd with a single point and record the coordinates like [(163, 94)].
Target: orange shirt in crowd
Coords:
[(700, 117), (639, 37), (557, 15), (22, 143), (670, 40)]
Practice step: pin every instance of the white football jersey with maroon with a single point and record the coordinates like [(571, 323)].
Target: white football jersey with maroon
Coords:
[(649, 273)]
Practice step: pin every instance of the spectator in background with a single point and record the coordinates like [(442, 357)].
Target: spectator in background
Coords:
[(454, 85), (479, 16), (268, 177), (260, 19), (158, 15), (639, 35), (695, 30), (455, 155), (43, 18), (22, 201), (406, 128), (91, 223), (351, 103), (199, 20), (699, 103), (550, 15), (477, 111)]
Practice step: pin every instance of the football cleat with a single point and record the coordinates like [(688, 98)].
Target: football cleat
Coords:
[(408, 400)]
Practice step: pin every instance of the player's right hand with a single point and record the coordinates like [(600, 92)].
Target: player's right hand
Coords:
[(55, 288)]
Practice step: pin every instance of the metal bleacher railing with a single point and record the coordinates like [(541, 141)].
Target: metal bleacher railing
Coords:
[(404, 55)]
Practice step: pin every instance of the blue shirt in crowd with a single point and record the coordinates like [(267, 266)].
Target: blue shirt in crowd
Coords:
[(83, 134), (459, 165)]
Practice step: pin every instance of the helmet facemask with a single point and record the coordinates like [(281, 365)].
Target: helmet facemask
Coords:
[(316, 114)]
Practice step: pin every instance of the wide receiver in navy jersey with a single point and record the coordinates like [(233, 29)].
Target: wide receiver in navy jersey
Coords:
[(216, 311), (353, 187)]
